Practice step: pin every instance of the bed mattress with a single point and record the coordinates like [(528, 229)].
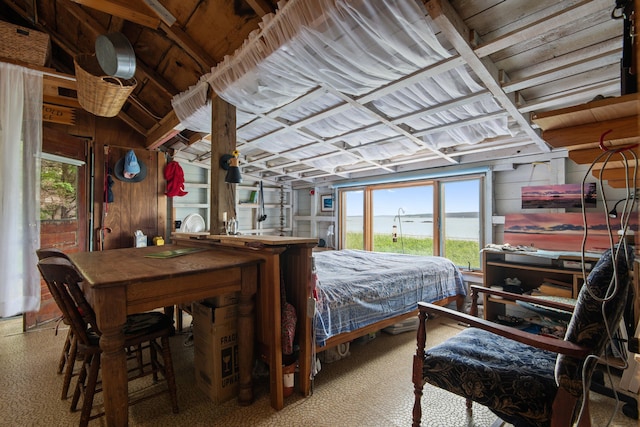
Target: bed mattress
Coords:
[(358, 288)]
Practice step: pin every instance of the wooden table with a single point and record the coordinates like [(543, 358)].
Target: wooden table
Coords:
[(124, 281)]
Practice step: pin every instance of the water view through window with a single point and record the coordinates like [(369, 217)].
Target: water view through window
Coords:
[(431, 218)]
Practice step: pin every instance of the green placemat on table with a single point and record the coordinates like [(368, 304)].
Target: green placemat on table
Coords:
[(172, 253)]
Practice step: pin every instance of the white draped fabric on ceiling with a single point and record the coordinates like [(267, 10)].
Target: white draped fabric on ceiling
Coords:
[(313, 55), (20, 150)]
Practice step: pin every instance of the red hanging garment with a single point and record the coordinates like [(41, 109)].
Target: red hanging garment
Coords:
[(174, 175)]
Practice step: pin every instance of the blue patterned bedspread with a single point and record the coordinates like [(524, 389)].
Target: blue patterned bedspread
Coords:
[(358, 288)]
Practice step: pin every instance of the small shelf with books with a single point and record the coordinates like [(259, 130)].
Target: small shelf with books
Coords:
[(533, 274)]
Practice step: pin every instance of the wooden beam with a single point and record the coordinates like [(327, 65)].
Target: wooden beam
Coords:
[(594, 111), (132, 123), (160, 11), (614, 173), (196, 137), (626, 127), (60, 100), (260, 7), (182, 39), (52, 81), (544, 25), (583, 65), (616, 164), (622, 183), (156, 79), (130, 10), (116, 24), (457, 33), (163, 131), (589, 155)]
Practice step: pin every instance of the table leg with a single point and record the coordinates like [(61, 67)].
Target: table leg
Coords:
[(275, 363), (111, 316), (246, 317), (271, 292)]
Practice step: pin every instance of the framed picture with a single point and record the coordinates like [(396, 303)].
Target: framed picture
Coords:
[(559, 196), (326, 203)]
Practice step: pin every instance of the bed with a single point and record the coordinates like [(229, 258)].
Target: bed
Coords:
[(360, 291)]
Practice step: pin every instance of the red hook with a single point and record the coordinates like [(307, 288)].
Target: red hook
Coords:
[(617, 150)]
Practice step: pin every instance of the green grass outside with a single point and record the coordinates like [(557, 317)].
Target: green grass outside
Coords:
[(461, 252)]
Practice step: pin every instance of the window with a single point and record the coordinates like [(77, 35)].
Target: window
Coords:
[(431, 217), (58, 191), (354, 222), (461, 221), (403, 219)]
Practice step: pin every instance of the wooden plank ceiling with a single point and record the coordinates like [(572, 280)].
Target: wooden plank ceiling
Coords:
[(531, 57)]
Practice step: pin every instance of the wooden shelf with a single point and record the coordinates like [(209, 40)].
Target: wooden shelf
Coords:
[(579, 129), (599, 111), (499, 266), (584, 124), (533, 267), (247, 212)]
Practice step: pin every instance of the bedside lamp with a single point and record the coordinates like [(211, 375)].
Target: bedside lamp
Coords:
[(613, 213), (229, 162)]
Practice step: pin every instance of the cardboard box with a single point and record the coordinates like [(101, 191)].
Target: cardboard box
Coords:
[(215, 351), (223, 300)]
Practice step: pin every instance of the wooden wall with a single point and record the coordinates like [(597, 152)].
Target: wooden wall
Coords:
[(136, 206)]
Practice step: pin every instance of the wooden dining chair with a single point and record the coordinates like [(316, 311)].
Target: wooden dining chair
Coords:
[(69, 349), (524, 378), (142, 331)]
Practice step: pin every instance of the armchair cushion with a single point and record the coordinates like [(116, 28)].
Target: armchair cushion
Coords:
[(514, 380)]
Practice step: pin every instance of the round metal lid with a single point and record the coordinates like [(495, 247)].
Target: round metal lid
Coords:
[(115, 55)]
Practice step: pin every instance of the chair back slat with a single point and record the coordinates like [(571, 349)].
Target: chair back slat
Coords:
[(44, 253), (64, 284)]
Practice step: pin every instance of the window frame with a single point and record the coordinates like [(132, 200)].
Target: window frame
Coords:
[(437, 184)]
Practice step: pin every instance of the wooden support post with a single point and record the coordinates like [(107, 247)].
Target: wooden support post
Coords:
[(223, 141)]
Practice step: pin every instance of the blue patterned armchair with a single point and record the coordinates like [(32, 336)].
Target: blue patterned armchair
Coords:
[(526, 379)]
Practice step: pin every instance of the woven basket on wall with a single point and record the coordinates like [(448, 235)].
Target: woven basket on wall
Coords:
[(23, 44), (100, 94)]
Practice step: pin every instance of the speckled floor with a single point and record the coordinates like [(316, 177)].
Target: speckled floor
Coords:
[(371, 387)]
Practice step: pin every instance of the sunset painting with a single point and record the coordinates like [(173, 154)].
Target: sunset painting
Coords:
[(562, 231), (558, 196)]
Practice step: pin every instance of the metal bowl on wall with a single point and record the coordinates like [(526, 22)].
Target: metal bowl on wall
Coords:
[(115, 55)]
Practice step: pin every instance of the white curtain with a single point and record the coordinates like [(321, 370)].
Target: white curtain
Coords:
[(349, 47), (20, 150), (193, 107)]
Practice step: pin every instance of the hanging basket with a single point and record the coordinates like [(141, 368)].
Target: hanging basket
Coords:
[(100, 94)]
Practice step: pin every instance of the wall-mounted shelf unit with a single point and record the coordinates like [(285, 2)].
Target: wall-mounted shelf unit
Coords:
[(198, 198), (278, 208)]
